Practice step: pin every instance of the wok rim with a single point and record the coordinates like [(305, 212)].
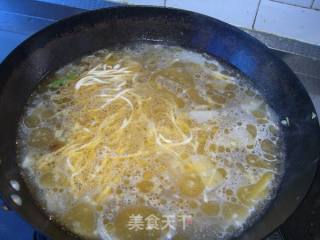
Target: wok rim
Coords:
[(29, 41)]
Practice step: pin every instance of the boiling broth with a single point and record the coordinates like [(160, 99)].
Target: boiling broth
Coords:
[(151, 142)]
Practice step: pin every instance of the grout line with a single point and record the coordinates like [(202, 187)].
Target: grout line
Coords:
[(29, 16), (26, 35), (255, 17), (292, 4)]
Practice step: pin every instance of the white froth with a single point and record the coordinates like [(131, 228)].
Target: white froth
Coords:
[(232, 134)]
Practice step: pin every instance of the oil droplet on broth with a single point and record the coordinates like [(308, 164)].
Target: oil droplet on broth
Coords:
[(81, 218), (152, 131), (210, 208)]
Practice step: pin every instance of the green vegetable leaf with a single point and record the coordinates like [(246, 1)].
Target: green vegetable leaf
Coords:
[(62, 81)]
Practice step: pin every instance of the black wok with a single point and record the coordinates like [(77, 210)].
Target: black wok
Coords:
[(74, 37)]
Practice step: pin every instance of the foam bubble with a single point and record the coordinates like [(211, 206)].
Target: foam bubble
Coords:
[(223, 100)]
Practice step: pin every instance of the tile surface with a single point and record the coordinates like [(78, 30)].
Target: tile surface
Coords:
[(302, 3), (8, 41), (316, 4), (142, 2), (289, 21), (83, 4), (23, 24), (37, 9), (239, 13)]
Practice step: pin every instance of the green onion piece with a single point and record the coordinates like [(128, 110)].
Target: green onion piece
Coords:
[(62, 81)]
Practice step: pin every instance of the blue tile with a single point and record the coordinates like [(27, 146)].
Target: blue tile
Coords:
[(83, 4), (302, 3), (13, 227), (235, 12), (289, 21), (21, 23), (143, 2), (38, 9), (9, 41)]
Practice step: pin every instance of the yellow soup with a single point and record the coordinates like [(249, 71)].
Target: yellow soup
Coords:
[(150, 142)]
